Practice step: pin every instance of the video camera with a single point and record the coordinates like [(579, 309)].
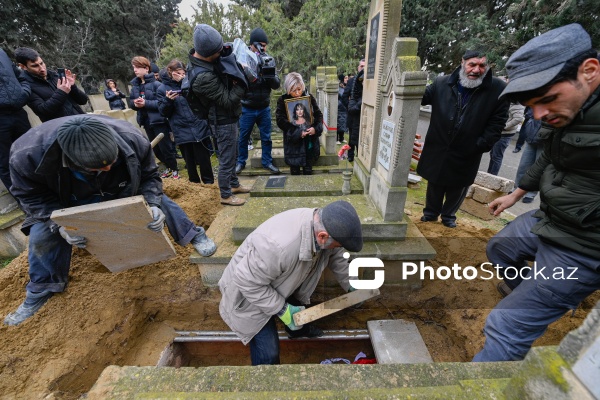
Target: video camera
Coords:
[(266, 63)]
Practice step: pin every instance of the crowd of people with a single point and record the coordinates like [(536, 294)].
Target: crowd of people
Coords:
[(553, 89)]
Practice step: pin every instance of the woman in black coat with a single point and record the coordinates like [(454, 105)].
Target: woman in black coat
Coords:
[(192, 135), (113, 95), (301, 145)]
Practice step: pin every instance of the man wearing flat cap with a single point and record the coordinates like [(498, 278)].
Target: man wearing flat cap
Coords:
[(218, 99), (78, 160), (557, 75), (277, 269), (467, 119)]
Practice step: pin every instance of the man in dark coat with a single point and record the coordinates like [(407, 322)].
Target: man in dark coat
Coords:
[(51, 96), (352, 99), (466, 120), (14, 122), (80, 160), (557, 75)]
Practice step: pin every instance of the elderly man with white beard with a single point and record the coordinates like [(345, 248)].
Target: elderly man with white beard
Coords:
[(466, 121)]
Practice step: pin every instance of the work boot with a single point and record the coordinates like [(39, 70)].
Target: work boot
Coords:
[(203, 245), (307, 330), (33, 302), (240, 189)]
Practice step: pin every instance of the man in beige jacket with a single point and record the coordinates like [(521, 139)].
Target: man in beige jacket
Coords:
[(280, 263)]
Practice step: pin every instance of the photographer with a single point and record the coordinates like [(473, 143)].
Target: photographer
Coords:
[(256, 105)]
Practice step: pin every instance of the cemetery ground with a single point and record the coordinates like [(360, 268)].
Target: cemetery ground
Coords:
[(128, 318)]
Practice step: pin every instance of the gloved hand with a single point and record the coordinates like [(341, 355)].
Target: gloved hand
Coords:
[(158, 219), (287, 316), (78, 241), (358, 305)]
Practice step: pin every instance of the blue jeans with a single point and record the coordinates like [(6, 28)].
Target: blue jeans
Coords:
[(50, 255), (536, 301), (264, 346), (530, 154), (227, 142), (262, 118), (497, 154)]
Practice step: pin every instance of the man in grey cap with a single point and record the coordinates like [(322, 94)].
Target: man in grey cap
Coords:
[(277, 268), (217, 98), (467, 119), (557, 74), (78, 160)]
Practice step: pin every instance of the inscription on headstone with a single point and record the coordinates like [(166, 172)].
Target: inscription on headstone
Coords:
[(386, 139), (587, 368)]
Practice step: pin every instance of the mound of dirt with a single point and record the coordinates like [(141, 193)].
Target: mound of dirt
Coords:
[(129, 318)]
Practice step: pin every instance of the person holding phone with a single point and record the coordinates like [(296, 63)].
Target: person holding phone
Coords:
[(114, 96), (53, 94), (192, 134)]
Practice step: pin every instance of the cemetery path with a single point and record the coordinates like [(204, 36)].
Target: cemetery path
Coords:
[(130, 317)]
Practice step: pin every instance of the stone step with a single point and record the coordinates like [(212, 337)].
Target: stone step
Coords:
[(259, 209), (303, 381), (277, 154), (414, 247), (7, 202), (306, 185), (12, 240)]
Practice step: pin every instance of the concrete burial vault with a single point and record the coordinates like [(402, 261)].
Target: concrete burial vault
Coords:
[(117, 232)]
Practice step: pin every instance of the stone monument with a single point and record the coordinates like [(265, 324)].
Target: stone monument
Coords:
[(327, 98)]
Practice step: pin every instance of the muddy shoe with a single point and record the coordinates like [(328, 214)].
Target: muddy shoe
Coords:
[(233, 201), (504, 289), (308, 330), (240, 189), (203, 245), (33, 302)]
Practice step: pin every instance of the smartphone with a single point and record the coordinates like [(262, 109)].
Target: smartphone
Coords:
[(61, 73), (176, 91)]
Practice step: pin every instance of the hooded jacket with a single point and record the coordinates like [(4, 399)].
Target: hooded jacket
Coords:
[(456, 140), (41, 181), (48, 102), (186, 126), (567, 175), (277, 259)]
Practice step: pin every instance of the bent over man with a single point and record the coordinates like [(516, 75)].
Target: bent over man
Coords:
[(277, 269), (78, 160), (557, 75)]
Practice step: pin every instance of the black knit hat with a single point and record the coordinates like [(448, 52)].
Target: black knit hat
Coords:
[(473, 54), (258, 35), (88, 142), (343, 225)]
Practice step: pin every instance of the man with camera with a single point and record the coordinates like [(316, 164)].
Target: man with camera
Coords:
[(256, 105), (53, 94)]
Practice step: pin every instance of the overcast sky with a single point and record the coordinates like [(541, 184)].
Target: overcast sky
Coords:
[(186, 10)]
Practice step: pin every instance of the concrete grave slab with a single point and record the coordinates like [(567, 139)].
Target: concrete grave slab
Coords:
[(397, 342), (117, 232), (305, 185)]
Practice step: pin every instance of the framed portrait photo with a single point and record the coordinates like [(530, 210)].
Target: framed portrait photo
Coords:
[(299, 111)]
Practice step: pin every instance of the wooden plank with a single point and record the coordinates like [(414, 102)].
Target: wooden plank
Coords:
[(334, 305), (397, 342), (117, 232)]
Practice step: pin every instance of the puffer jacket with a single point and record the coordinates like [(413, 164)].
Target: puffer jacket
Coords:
[(274, 262), (149, 114), (48, 102), (114, 99), (186, 126), (456, 140), (217, 93), (41, 180), (567, 175), (14, 88), (298, 151)]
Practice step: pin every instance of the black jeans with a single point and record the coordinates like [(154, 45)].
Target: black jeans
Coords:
[(12, 126), (198, 155), (436, 205), (164, 150)]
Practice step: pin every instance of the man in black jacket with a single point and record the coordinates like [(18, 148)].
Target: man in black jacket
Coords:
[(557, 75), (256, 107), (352, 99), (217, 97), (466, 120), (51, 96), (78, 160), (13, 119)]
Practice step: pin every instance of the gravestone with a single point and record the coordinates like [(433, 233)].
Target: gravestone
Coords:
[(327, 98), (392, 90)]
